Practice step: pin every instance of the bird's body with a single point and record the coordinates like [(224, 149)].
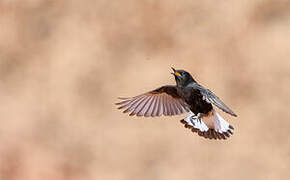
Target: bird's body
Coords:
[(186, 96), (194, 100)]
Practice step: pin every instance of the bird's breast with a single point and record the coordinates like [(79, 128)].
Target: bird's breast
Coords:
[(196, 103)]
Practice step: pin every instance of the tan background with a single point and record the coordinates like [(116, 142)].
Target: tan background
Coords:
[(64, 62)]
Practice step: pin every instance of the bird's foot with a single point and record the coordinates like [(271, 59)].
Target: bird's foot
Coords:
[(197, 118)]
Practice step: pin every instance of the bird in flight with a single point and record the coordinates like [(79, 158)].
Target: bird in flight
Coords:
[(186, 96)]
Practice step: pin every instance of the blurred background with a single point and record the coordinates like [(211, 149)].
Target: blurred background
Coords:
[(63, 64)]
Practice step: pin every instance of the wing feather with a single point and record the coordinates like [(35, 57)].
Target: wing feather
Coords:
[(162, 101), (210, 97)]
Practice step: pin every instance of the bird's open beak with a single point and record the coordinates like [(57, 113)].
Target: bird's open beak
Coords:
[(175, 72)]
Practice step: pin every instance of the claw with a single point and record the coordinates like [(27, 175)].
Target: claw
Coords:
[(192, 122), (197, 117)]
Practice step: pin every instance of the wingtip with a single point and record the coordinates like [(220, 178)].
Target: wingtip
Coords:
[(123, 98)]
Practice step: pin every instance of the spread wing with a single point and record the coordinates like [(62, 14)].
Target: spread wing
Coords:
[(162, 101), (210, 97)]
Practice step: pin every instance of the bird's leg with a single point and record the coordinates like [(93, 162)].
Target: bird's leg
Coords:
[(192, 121), (197, 117)]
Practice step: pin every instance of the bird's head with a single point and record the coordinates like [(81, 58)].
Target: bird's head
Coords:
[(182, 77)]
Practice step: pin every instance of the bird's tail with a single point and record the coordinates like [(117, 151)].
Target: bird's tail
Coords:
[(211, 126)]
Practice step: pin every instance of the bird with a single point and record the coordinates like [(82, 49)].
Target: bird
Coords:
[(187, 96)]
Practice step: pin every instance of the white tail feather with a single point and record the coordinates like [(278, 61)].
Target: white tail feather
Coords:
[(214, 121), (220, 125), (195, 123)]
